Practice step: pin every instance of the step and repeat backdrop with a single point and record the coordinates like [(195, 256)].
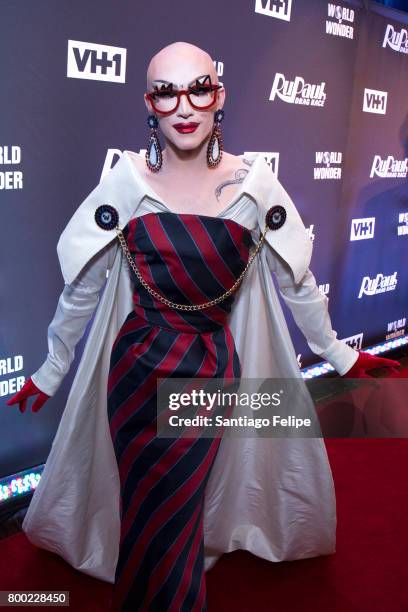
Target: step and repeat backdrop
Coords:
[(319, 88)]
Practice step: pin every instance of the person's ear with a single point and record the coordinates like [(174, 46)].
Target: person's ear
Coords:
[(148, 105), (221, 98)]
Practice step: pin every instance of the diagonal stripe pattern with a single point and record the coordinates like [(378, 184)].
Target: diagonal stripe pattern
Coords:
[(189, 259)]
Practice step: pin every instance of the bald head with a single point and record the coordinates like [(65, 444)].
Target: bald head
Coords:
[(180, 63)]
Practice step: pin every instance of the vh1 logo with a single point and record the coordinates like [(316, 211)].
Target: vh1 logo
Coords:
[(96, 62), (375, 101), (280, 9), (362, 229), (356, 341)]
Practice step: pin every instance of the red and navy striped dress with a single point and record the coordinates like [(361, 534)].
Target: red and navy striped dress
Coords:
[(190, 259)]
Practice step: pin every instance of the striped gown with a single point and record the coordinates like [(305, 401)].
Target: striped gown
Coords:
[(190, 259)]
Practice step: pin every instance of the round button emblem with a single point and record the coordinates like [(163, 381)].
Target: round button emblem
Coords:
[(106, 216), (275, 217)]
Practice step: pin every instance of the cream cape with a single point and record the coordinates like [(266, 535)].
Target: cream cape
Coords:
[(272, 497)]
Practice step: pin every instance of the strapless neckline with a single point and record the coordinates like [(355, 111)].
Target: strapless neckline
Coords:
[(189, 215)]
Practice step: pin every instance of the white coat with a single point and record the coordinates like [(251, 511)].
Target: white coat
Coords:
[(273, 497)]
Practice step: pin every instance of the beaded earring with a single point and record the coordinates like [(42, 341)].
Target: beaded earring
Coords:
[(154, 157), (215, 145)]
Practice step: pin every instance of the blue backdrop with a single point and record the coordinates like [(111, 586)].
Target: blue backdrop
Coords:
[(319, 88)]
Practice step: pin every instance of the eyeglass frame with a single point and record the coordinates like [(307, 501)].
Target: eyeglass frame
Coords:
[(179, 92)]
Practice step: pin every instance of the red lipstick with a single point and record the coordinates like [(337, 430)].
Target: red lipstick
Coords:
[(186, 128)]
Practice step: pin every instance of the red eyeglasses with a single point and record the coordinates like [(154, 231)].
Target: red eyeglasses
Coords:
[(166, 101)]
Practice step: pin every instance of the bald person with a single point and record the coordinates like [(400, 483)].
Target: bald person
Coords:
[(189, 253), (185, 167)]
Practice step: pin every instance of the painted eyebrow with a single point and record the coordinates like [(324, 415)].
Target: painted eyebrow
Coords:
[(190, 83)]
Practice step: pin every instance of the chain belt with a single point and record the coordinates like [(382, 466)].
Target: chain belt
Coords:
[(107, 218), (189, 307)]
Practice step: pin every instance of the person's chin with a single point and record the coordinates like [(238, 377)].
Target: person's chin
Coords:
[(187, 141)]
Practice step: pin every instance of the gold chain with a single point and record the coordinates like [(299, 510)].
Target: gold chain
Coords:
[(189, 307)]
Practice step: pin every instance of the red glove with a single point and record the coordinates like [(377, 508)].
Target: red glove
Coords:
[(366, 361), (29, 388)]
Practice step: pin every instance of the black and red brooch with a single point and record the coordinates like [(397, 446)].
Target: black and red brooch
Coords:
[(275, 217), (106, 216)]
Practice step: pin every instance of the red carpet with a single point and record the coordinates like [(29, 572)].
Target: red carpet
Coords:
[(369, 570)]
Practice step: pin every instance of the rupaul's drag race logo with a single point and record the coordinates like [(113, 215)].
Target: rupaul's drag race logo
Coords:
[(297, 91), (389, 167), (396, 40), (379, 284)]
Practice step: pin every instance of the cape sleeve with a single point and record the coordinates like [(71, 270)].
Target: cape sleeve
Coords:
[(290, 239), (75, 308), (82, 237), (309, 308)]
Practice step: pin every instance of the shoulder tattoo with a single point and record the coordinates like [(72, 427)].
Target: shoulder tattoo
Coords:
[(239, 176)]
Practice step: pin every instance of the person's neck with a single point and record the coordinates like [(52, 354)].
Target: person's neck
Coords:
[(177, 161)]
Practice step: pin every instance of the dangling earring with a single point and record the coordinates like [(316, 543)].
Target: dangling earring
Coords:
[(154, 157), (215, 145)]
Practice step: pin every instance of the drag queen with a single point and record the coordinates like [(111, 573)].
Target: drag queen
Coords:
[(190, 235)]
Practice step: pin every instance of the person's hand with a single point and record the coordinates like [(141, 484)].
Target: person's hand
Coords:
[(29, 388), (366, 361)]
